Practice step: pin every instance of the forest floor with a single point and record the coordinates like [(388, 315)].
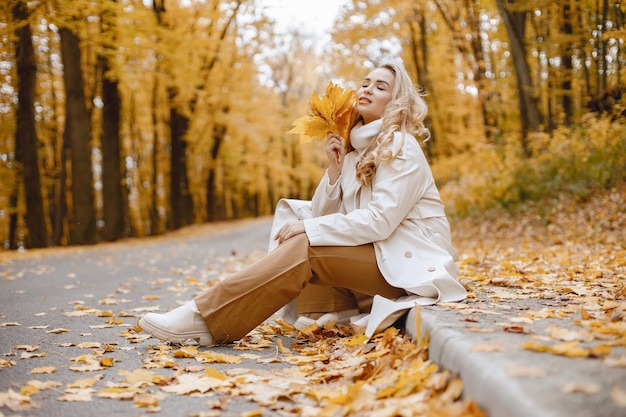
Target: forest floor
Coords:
[(67, 320)]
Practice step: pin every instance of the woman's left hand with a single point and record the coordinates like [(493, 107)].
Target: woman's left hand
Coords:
[(289, 230)]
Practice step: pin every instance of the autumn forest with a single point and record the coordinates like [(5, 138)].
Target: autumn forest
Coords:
[(130, 118)]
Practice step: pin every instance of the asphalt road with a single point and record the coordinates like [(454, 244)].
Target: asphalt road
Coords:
[(38, 289)]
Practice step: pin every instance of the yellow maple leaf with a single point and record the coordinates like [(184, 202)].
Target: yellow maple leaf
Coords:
[(107, 362), (77, 395), (43, 370), (331, 113), (85, 382), (119, 393), (146, 400), (214, 373)]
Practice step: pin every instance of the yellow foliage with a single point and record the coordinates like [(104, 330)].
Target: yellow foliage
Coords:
[(575, 160), (331, 113)]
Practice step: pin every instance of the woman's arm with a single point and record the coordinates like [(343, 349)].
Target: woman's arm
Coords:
[(327, 196)]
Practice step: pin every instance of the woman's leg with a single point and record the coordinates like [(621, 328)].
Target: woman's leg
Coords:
[(322, 299), (236, 305)]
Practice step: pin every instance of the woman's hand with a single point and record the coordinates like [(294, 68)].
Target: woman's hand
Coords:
[(335, 153), (289, 230)]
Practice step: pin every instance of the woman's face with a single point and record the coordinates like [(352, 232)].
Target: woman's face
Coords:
[(374, 94)]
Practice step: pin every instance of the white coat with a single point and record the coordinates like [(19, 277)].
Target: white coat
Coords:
[(401, 213)]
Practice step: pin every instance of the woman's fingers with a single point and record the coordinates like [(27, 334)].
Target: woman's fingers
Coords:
[(334, 149), (289, 230)]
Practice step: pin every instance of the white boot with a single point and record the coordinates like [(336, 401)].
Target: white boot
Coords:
[(178, 326)]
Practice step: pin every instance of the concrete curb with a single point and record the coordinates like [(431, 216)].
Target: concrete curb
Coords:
[(489, 380)]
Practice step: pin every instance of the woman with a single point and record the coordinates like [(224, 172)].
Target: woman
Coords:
[(374, 239)]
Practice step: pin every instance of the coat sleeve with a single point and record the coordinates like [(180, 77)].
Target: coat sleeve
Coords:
[(398, 186), (327, 197)]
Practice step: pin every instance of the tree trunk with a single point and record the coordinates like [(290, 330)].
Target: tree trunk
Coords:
[(154, 205), (113, 209), (515, 23), (567, 29), (61, 203), (78, 134), (26, 143), (215, 210), (181, 203), (419, 58)]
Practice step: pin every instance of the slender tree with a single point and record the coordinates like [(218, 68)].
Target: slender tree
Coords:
[(77, 133), (113, 201), (114, 210), (181, 206), (567, 30), (26, 143), (515, 23)]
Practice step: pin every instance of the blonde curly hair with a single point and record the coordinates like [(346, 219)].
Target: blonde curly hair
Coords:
[(404, 113)]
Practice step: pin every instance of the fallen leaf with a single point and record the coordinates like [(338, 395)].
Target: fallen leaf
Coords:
[(488, 347), (85, 382), (120, 393), (34, 386), (89, 345), (107, 362), (27, 348), (254, 413), (525, 371), (77, 395), (43, 370), (143, 377), (58, 331), (16, 402), (151, 297), (583, 388), (26, 355), (147, 401), (281, 348), (618, 395), (188, 383), (5, 363)]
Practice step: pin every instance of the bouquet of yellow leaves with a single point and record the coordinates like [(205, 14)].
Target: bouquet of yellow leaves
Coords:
[(331, 113)]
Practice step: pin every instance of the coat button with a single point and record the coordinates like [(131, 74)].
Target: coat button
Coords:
[(431, 269), (408, 254)]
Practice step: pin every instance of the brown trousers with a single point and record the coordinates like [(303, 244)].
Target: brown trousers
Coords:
[(343, 277)]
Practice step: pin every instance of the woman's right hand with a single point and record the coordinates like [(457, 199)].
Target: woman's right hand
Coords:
[(335, 153)]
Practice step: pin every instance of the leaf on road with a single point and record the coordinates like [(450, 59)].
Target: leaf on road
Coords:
[(43, 370), (77, 395), (143, 377), (34, 386), (618, 395), (16, 402), (85, 382), (26, 355), (120, 393), (27, 348), (190, 383), (58, 331), (6, 363)]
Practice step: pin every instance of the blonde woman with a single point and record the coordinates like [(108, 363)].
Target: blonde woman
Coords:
[(373, 242)]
